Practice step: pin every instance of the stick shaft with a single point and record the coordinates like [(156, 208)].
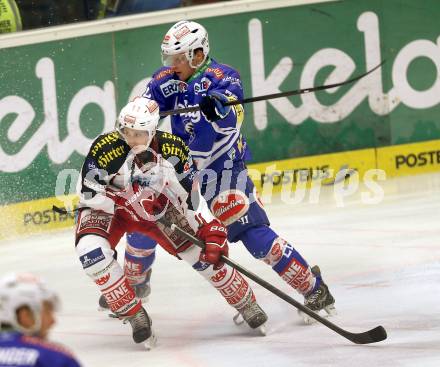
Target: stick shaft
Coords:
[(371, 336), (256, 279), (179, 111)]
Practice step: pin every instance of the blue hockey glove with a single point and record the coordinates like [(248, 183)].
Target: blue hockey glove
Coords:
[(213, 108)]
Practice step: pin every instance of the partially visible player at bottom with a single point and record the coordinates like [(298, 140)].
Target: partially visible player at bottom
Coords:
[(27, 308), (128, 177)]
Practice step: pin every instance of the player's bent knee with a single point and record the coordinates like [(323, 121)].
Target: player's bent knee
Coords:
[(192, 256), (276, 251), (228, 281), (264, 244), (259, 241), (95, 253), (232, 286)]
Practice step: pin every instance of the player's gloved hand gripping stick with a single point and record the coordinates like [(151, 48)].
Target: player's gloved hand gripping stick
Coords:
[(214, 106)]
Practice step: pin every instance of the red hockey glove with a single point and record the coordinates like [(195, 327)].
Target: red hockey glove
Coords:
[(141, 202), (214, 235)]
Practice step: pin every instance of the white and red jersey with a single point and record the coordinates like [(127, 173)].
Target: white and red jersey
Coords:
[(166, 168)]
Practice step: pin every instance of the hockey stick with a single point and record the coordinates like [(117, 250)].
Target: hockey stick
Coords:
[(64, 211), (372, 336), (179, 111)]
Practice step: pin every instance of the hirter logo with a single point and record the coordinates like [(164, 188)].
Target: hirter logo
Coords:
[(229, 206)]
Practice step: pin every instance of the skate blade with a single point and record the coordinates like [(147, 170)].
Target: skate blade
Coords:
[(238, 319), (151, 342), (328, 311), (261, 330), (109, 313)]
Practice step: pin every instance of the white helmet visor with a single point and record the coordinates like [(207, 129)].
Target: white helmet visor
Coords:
[(174, 60)]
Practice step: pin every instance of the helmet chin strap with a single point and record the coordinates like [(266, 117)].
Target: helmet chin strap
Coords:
[(195, 67), (33, 330), (191, 60)]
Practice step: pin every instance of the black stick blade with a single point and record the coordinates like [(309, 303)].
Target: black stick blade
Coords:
[(59, 210), (372, 336)]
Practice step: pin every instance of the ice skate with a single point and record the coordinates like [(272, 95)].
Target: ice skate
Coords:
[(254, 316), (141, 325), (143, 289), (320, 299)]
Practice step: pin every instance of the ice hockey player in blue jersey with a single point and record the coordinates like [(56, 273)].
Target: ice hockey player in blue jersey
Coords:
[(190, 77), (26, 316)]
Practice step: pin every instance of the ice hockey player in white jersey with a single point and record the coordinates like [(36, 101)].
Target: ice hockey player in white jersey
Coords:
[(27, 307), (131, 177)]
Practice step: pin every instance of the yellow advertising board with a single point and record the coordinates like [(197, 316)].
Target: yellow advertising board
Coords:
[(409, 159), (36, 216), (271, 177)]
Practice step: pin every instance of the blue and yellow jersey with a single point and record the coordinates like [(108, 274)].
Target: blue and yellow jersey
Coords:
[(210, 143)]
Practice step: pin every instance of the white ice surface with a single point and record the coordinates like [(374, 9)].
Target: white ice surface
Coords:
[(381, 261)]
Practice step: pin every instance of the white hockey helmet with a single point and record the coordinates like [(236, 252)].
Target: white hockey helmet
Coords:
[(183, 38), (140, 114), (18, 290)]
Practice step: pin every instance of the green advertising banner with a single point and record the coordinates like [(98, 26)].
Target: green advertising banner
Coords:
[(57, 96)]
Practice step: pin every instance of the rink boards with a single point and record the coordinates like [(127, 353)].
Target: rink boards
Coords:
[(63, 86), (270, 177), (392, 161), (60, 98)]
